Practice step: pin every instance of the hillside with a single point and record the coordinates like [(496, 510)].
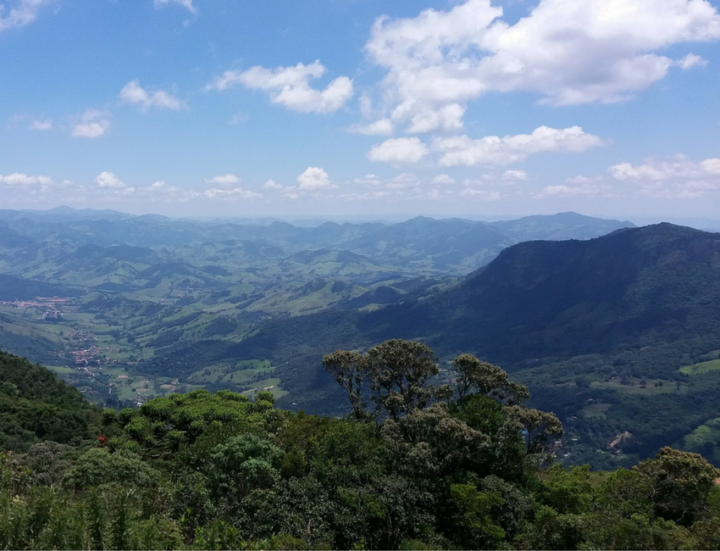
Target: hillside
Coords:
[(35, 406), (99, 296), (612, 322), (431, 468)]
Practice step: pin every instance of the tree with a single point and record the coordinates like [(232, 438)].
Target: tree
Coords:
[(348, 369), (397, 372), (488, 380), (680, 483)]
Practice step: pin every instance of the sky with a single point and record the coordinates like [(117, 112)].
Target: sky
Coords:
[(335, 108)]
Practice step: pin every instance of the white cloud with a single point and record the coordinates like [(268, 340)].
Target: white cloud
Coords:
[(42, 125), (224, 180), (679, 178), (313, 179), (382, 127), (109, 180), (187, 4), (443, 179), (398, 151), (462, 150), (587, 189), (372, 180), (134, 94), (163, 187), (23, 13), (289, 86), (658, 170), (272, 184), (238, 193), (447, 118), (569, 52), (690, 61), (405, 180), (93, 125), (20, 179), (514, 176)]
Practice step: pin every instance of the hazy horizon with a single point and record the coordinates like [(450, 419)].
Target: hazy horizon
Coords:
[(712, 224)]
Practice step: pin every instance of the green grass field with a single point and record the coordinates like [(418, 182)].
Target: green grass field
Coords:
[(702, 440), (704, 367)]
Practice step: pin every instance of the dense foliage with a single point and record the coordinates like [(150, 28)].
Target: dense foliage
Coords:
[(35, 405), (612, 323), (416, 466)]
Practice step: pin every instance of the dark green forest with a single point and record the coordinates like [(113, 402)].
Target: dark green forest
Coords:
[(414, 465)]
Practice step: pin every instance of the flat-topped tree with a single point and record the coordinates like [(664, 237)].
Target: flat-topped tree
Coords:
[(397, 373)]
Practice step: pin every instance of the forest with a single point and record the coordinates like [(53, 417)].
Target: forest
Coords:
[(414, 465)]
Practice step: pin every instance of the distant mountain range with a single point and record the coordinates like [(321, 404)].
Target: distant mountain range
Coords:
[(573, 318), (615, 328), (452, 246)]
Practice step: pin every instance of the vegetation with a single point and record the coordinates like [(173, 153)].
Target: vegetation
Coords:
[(35, 406), (616, 335), (428, 467)]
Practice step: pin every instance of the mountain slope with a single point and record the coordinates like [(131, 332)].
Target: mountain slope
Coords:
[(599, 329), (35, 405)]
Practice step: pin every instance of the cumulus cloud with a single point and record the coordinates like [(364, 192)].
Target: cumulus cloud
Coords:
[(398, 151), (21, 179), (135, 94), (224, 180), (187, 4), (290, 87), (659, 170), (272, 184), (690, 61), (313, 179), (25, 12), (448, 118), (567, 52), (443, 179), (93, 124), (462, 150), (109, 180), (679, 177)]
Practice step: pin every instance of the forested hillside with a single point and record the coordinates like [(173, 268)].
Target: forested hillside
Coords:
[(416, 466), (35, 406), (606, 330)]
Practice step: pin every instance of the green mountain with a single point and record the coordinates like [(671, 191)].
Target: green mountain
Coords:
[(605, 332), (35, 405)]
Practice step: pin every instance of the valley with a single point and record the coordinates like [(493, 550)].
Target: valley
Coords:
[(614, 330)]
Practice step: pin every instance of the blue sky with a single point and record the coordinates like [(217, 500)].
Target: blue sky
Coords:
[(361, 107)]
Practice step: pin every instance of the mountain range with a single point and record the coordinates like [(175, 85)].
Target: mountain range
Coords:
[(612, 323), (613, 327)]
